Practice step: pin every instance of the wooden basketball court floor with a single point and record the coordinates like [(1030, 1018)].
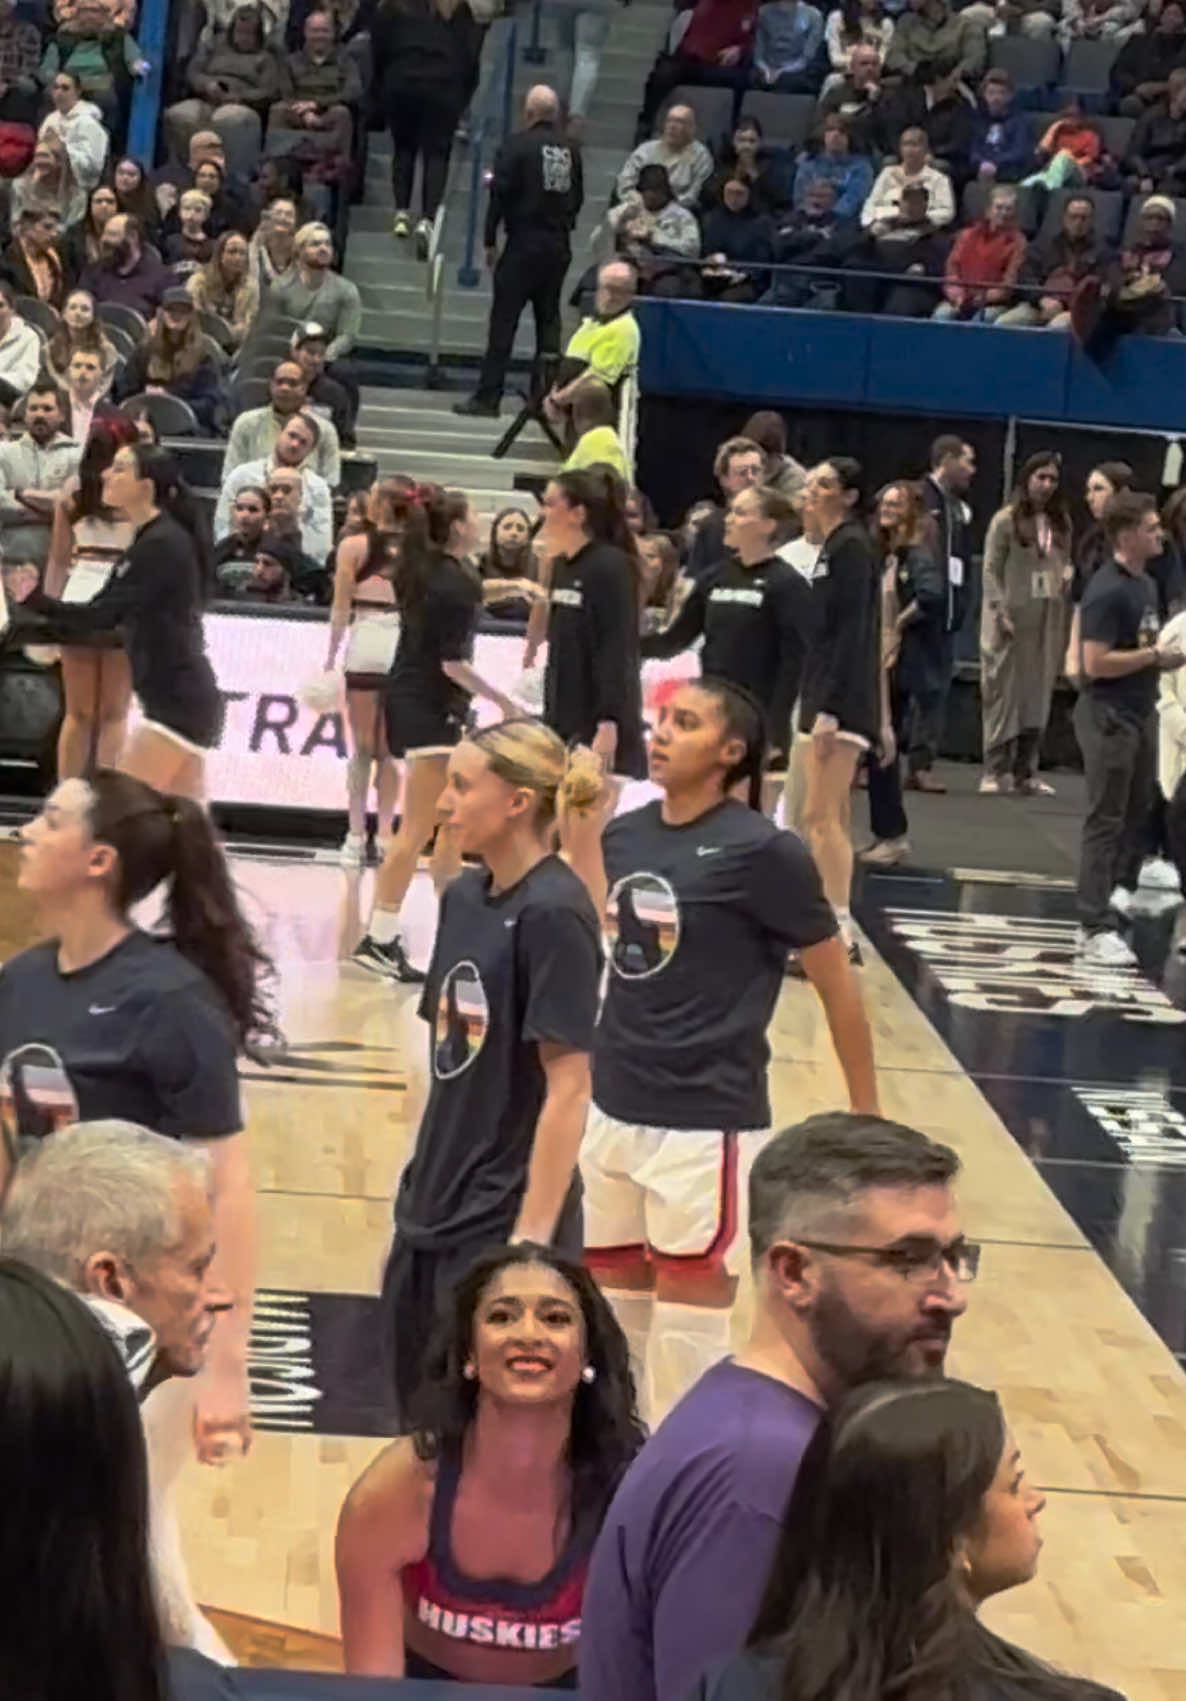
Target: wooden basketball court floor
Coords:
[(1097, 1399)]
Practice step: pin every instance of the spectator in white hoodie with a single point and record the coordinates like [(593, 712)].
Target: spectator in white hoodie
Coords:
[(79, 124)]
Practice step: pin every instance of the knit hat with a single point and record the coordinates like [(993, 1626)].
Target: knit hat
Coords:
[(1158, 204)]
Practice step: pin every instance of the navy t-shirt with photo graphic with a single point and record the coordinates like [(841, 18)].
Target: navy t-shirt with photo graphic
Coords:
[(510, 970), (699, 921), (140, 1035)]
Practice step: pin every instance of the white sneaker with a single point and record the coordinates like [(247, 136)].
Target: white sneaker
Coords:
[(996, 785), (1107, 950), (885, 853), (1159, 875), (351, 853), (1121, 900)]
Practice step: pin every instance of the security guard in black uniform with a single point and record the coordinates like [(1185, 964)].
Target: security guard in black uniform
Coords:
[(536, 193)]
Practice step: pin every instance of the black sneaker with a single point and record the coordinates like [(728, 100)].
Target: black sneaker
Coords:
[(389, 961), (476, 407)]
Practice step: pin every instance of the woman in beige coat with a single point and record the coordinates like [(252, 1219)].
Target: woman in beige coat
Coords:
[(1023, 619)]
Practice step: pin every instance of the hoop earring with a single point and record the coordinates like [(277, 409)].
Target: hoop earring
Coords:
[(588, 1375)]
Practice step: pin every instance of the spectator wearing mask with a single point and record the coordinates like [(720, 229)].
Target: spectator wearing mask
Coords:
[(708, 43), (654, 232), (254, 433), (787, 41), (884, 199), (323, 90), (1157, 149), (736, 232), (856, 23), (984, 263), (190, 247), (686, 161), (701, 1502), (1059, 263), (20, 349), (174, 361), (125, 272), (105, 59), (291, 483), (32, 262), (225, 285), (595, 420), (78, 124), (48, 184), (934, 44), (33, 469), (851, 175), (79, 329), (234, 78), (763, 169), (326, 395), (857, 96), (1000, 147), (318, 292), (1141, 70), (426, 59), (20, 60)]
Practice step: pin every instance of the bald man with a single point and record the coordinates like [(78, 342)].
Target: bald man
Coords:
[(535, 196)]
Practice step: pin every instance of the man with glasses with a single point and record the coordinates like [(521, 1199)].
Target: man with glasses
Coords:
[(859, 1273)]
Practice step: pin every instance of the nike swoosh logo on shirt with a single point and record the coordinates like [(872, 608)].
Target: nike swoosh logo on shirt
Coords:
[(101, 1009), (708, 850)]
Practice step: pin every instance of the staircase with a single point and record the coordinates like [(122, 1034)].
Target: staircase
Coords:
[(414, 431)]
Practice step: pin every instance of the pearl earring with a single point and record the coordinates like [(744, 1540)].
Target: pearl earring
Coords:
[(588, 1374), (469, 1370)]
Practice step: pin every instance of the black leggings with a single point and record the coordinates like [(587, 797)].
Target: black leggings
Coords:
[(422, 122)]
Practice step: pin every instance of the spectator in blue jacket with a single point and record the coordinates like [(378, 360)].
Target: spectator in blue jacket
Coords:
[(1002, 147), (787, 46), (851, 175)]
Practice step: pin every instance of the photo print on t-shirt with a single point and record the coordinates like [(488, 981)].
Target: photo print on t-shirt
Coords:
[(641, 925), (463, 1015), (36, 1096)]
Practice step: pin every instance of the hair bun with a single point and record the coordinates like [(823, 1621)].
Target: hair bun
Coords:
[(584, 779)]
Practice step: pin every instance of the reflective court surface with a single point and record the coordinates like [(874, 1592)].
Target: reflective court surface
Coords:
[(1065, 1098)]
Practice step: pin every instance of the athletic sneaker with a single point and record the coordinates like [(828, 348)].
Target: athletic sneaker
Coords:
[(390, 961), (1107, 950), (1034, 787), (885, 853), (402, 226), (352, 851), (1158, 875), (996, 785), (1121, 900), (423, 238), (854, 955)]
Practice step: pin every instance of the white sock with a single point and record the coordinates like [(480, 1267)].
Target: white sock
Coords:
[(686, 1340), (384, 925), (843, 922)]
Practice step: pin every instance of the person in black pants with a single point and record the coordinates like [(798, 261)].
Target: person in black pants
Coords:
[(933, 634), (536, 194), (1116, 718), (426, 65)]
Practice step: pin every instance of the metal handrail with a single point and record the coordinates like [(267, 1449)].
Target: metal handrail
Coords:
[(434, 286), (489, 123)]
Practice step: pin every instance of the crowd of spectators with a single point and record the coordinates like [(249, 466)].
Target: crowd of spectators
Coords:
[(947, 162)]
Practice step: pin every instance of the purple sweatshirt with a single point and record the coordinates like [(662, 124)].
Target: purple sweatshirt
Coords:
[(682, 1557)]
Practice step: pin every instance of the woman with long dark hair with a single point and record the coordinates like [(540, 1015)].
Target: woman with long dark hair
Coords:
[(227, 287), (462, 1550), (80, 1618), (509, 555), (1023, 624), (592, 691), (133, 194), (910, 1509), (81, 332), (87, 540), (156, 596), (438, 597), (174, 358), (680, 1100)]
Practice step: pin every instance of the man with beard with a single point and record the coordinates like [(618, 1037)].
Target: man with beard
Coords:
[(33, 469), (859, 1273), (125, 273)]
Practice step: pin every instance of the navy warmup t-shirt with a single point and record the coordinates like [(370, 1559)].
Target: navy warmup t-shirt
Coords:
[(699, 921), (140, 1035), (509, 970)]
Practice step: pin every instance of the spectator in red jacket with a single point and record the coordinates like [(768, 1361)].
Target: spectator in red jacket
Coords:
[(984, 262), (713, 46)]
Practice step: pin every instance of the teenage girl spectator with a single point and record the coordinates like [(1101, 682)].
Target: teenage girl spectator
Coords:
[(82, 1615), (592, 692), (450, 1516), (190, 246), (428, 695), (911, 1509), (1026, 577), (158, 601), (133, 194), (250, 513), (86, 541), (363, 613), (913, 655), (48, 184), (736, 231), (509, 555), (81, 330), (658, 570), (80, 240), (853, 23), (764, 169), (225, 286), (273, 246), (173, 360), (426, 62)]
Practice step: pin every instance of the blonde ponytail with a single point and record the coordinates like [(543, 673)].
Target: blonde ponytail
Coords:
[(526, 753)]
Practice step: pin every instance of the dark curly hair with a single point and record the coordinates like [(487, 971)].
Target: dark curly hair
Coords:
[(606, 1429)]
